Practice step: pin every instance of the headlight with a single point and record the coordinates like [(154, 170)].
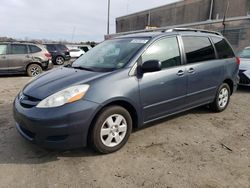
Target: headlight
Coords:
[(64, 96)]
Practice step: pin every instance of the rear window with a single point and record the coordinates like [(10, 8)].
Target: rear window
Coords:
[(3, 49), (34, 49), (198, 49), (223, 48), (19, 49), (245, 53), (85, 49)]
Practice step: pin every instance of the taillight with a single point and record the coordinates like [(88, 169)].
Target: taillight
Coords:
[(48, 55), (238, 60)]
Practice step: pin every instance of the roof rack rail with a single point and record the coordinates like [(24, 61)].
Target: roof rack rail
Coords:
[(15, 41), (21, 41), (192, 29)]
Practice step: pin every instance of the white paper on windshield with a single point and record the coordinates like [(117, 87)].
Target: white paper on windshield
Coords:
[(139, 41)]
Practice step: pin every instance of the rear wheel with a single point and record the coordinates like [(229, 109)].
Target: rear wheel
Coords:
[(222, 98), (111, 129), (59, 60), (34, 70)]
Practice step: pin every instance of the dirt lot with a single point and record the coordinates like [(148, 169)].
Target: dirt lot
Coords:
[(193, 149)]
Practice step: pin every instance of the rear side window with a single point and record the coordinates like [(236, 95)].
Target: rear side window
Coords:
[(223, 48), (165, 50), (50, 47), (34, 49), (3, 49), (61, 47), (19, 49), (198, 49)]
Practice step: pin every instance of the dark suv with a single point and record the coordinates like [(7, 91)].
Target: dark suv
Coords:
[(16, 58), (125, 83), (59, 52)]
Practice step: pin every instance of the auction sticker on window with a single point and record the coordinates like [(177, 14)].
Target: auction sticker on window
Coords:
[(139, 41)]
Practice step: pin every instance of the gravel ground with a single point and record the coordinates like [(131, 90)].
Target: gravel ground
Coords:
[(194, 149)]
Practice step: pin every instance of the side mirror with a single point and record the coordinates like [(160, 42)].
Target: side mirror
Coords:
[(151, 66)]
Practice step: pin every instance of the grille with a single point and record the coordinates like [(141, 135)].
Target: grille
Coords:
[(28, 101)]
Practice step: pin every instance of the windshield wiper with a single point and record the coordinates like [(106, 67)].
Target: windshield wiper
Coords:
[(82, 68)]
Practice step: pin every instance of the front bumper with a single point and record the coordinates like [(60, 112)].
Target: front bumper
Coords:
[(244, 77), (59, 128)]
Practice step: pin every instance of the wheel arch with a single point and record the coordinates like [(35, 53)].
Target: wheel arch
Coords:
[(119, 102), (230, 84), (32, 63)]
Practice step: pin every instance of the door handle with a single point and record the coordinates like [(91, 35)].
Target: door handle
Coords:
[(191, 70), (180, 73), (27, 56)]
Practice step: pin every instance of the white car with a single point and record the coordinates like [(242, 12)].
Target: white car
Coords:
[(244, 71), (76, 52), (84, 47)]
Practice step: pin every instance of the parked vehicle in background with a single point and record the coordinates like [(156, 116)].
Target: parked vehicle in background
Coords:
[(76, 52), (29, 58), (59, 52), (85, 48), (244, 72), (125, 83)]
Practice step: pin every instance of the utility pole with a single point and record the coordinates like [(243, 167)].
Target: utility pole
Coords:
[(211, 9), (149, 18), (224, 18), (108, 17)]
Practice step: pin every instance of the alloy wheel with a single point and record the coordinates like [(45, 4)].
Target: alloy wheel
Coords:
[(34, 71), (113, 130), (223, 97), (59, 60)]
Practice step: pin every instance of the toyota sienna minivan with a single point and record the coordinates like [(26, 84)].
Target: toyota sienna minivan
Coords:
[(125, 83)]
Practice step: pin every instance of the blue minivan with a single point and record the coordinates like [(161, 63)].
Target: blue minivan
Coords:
[(125, 83)]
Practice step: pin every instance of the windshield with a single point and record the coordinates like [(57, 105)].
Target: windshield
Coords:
[(245, 53), (110, 55)]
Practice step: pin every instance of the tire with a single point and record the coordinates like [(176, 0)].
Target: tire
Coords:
[(34, 70), (111, 129), (222, 98), (59, 60)]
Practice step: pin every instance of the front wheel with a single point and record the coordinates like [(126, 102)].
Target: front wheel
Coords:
[(111, 129), (222, 98)]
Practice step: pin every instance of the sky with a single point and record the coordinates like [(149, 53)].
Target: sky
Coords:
[(71, 20)]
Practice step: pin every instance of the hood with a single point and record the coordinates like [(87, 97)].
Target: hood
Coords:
[(58, 79), (244, 64)]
